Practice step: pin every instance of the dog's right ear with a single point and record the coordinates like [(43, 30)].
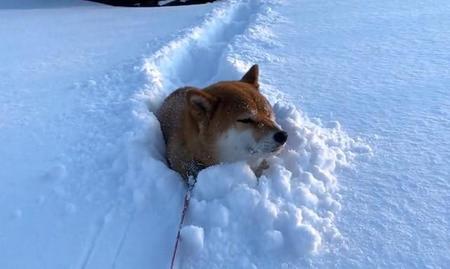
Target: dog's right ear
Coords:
[(251, 76), (201, 104)]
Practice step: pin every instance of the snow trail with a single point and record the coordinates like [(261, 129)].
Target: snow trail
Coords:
[(97, 230), (196, 58), (121, 243), (290, 214), (102, 100)]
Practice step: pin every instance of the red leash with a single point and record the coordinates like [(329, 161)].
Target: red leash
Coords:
[(187, 198)]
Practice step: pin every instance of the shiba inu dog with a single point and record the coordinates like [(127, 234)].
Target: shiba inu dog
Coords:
[(225, 122)]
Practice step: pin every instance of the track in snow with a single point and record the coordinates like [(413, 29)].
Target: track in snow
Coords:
[(138, 229), (300, 186), (102, 101), (139, 208), (197, 59)]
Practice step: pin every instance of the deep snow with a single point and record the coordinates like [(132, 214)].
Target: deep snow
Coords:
[(291, 211), (68, 75), (83, 177), (380, 68)]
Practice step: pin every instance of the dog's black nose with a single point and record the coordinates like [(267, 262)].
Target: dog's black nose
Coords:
[(280, 137)]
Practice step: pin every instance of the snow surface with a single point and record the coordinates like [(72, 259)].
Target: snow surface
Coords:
[(83, 176), (38, 4)]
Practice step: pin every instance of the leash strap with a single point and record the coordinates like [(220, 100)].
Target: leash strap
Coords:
[(187, 197)]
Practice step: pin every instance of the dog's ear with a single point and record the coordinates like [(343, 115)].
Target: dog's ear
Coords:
[(251, 76), (201, 104)]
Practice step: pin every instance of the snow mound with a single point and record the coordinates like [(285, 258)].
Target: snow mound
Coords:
[(192, 239), (289, 212), (285, 215)]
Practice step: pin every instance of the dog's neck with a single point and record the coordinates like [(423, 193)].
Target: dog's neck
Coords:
[(196, 141)]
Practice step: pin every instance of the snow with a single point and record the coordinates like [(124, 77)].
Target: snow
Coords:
[(38, 4), (68, 75), (192, 239), (361, 89), (380, 68)]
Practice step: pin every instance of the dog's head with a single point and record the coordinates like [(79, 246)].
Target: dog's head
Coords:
[(236, 119)]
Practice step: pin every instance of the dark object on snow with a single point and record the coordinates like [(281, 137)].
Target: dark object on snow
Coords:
[(151, 3)]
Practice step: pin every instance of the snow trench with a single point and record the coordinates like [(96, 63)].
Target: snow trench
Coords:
[(234, 220)]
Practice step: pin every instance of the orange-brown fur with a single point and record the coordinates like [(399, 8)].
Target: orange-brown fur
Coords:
[(193, 120)]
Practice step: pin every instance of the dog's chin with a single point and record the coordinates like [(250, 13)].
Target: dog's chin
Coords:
[(265, 150)]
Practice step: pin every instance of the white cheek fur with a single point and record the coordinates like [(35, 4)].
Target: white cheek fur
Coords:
[(235, 145)]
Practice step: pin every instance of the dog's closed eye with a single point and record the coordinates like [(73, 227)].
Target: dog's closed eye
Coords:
[(247, 120)]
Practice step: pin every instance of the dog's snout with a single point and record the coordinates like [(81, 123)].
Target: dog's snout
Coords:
[(280, 137)]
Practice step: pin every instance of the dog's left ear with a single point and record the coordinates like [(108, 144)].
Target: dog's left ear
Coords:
[(201, 104), (251, 76)]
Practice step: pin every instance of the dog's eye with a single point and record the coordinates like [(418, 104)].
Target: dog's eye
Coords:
[(248, 120)]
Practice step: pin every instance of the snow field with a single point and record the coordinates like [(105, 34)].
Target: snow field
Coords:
[(83, 178), (234, 218), (65, 164)]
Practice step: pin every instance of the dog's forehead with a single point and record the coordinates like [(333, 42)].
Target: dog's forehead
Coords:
[(243, 98), (262, 104), (259, 104)]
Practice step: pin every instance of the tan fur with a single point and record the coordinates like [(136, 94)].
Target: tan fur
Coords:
[(194, 121)]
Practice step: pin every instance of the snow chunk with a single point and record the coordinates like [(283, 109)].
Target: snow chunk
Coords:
[(216, 181), (305, 239), (212, 214), (192, 238)]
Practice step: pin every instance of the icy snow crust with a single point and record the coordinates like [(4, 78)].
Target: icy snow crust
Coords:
[(235, 221)]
